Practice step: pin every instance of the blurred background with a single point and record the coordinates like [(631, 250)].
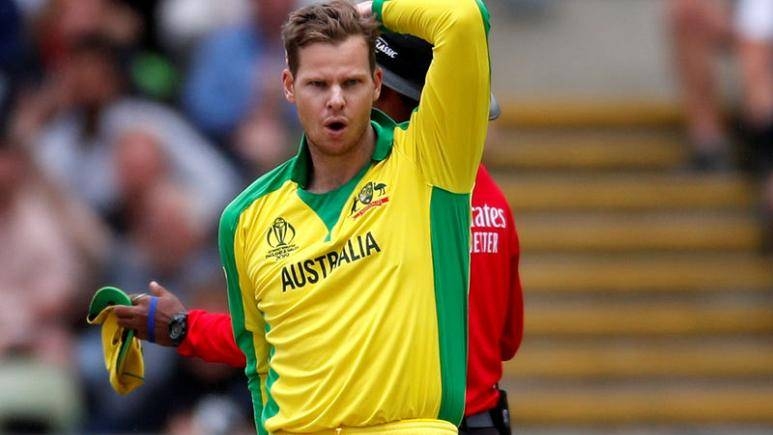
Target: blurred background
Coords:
[(635, 147)]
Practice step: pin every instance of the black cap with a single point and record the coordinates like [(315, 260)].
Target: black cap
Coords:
[(405, 60)]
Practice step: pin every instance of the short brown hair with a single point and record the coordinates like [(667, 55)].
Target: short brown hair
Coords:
[(329, 22)]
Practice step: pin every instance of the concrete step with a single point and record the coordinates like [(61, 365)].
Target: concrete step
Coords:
[(616, 232), (577, 113), (608, 405), (550, 192), (661, 319), (584, 150), (632, 273), (605, 360)]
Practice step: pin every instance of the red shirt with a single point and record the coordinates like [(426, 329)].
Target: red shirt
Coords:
[(495, 305), (496, 297), (211, 338)]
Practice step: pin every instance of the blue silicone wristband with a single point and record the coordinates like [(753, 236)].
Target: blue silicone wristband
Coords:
[(152, 319)]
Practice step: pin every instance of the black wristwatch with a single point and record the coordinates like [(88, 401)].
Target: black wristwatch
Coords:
[(178, 327)]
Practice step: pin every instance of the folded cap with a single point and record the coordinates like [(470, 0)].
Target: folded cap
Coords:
[(121, 349), (405, 60)]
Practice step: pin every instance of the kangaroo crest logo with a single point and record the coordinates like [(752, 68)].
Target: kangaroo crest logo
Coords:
[(280, 236), (371, 195)]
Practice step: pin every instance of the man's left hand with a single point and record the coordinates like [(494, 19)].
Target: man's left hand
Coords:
[(136, 316)]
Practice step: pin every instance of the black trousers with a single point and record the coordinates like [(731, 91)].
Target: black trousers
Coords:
[(499, 418)]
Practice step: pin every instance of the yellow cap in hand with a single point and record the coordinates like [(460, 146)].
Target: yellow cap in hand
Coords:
[(121, 349)]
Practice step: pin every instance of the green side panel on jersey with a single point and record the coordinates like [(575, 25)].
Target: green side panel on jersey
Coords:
[(229, 221), (236, 309), (449, 224), (271, 408), (484, 13)]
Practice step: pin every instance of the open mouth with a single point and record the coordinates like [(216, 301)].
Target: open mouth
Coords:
[(335, 126)]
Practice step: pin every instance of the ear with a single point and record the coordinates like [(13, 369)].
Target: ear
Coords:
[(378, 76), (288, 85)]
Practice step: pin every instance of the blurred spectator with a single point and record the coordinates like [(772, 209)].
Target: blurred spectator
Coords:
[(77, 121), (63, 23), (140, 164), (127, 24), (233, 86), (165, 240), (700, 31), (182, 23), (45, 264), (52, 245), (40, 271), (755, 28)]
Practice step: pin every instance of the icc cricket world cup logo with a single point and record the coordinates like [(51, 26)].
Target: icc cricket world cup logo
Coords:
[(281, 233)]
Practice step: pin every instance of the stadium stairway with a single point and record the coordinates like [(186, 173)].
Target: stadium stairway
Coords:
[(649, 308)]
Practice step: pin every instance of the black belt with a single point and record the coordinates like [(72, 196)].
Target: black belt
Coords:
[(479, 421), (497, 418)]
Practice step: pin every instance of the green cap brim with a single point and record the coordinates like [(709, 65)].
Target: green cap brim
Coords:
[(105, 297)]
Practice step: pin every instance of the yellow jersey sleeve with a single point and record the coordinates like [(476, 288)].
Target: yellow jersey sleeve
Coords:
[(445, 135)]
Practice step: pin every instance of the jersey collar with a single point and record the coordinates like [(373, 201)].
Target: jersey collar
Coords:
[(382, 124)]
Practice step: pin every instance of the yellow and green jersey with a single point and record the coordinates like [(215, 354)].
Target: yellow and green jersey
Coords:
[(350, 306)]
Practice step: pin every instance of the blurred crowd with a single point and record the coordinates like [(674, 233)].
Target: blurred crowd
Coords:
[(126, 126), (725, 136)]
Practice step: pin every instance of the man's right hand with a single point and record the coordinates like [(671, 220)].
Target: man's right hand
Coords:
[(136, 316)]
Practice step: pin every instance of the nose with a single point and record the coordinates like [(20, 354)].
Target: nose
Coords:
[(336, 101)]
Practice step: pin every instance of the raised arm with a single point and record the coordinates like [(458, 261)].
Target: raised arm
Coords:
[(449, 128)]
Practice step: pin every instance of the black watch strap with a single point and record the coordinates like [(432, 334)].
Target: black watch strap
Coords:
[(178, 328)]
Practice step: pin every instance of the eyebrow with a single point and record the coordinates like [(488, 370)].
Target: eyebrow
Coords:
[(349, 76)]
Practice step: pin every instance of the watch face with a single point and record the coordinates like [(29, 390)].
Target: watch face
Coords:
[(177, 327), (176, 330)]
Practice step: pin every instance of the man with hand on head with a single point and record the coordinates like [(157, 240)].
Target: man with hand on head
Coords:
[(496, 300), (344, 326)]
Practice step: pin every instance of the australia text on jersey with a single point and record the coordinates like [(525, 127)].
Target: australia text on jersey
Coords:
[(296, 275), (486, 218)]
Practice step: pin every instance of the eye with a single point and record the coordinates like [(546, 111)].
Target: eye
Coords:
[(351, 82), (317, 83)]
